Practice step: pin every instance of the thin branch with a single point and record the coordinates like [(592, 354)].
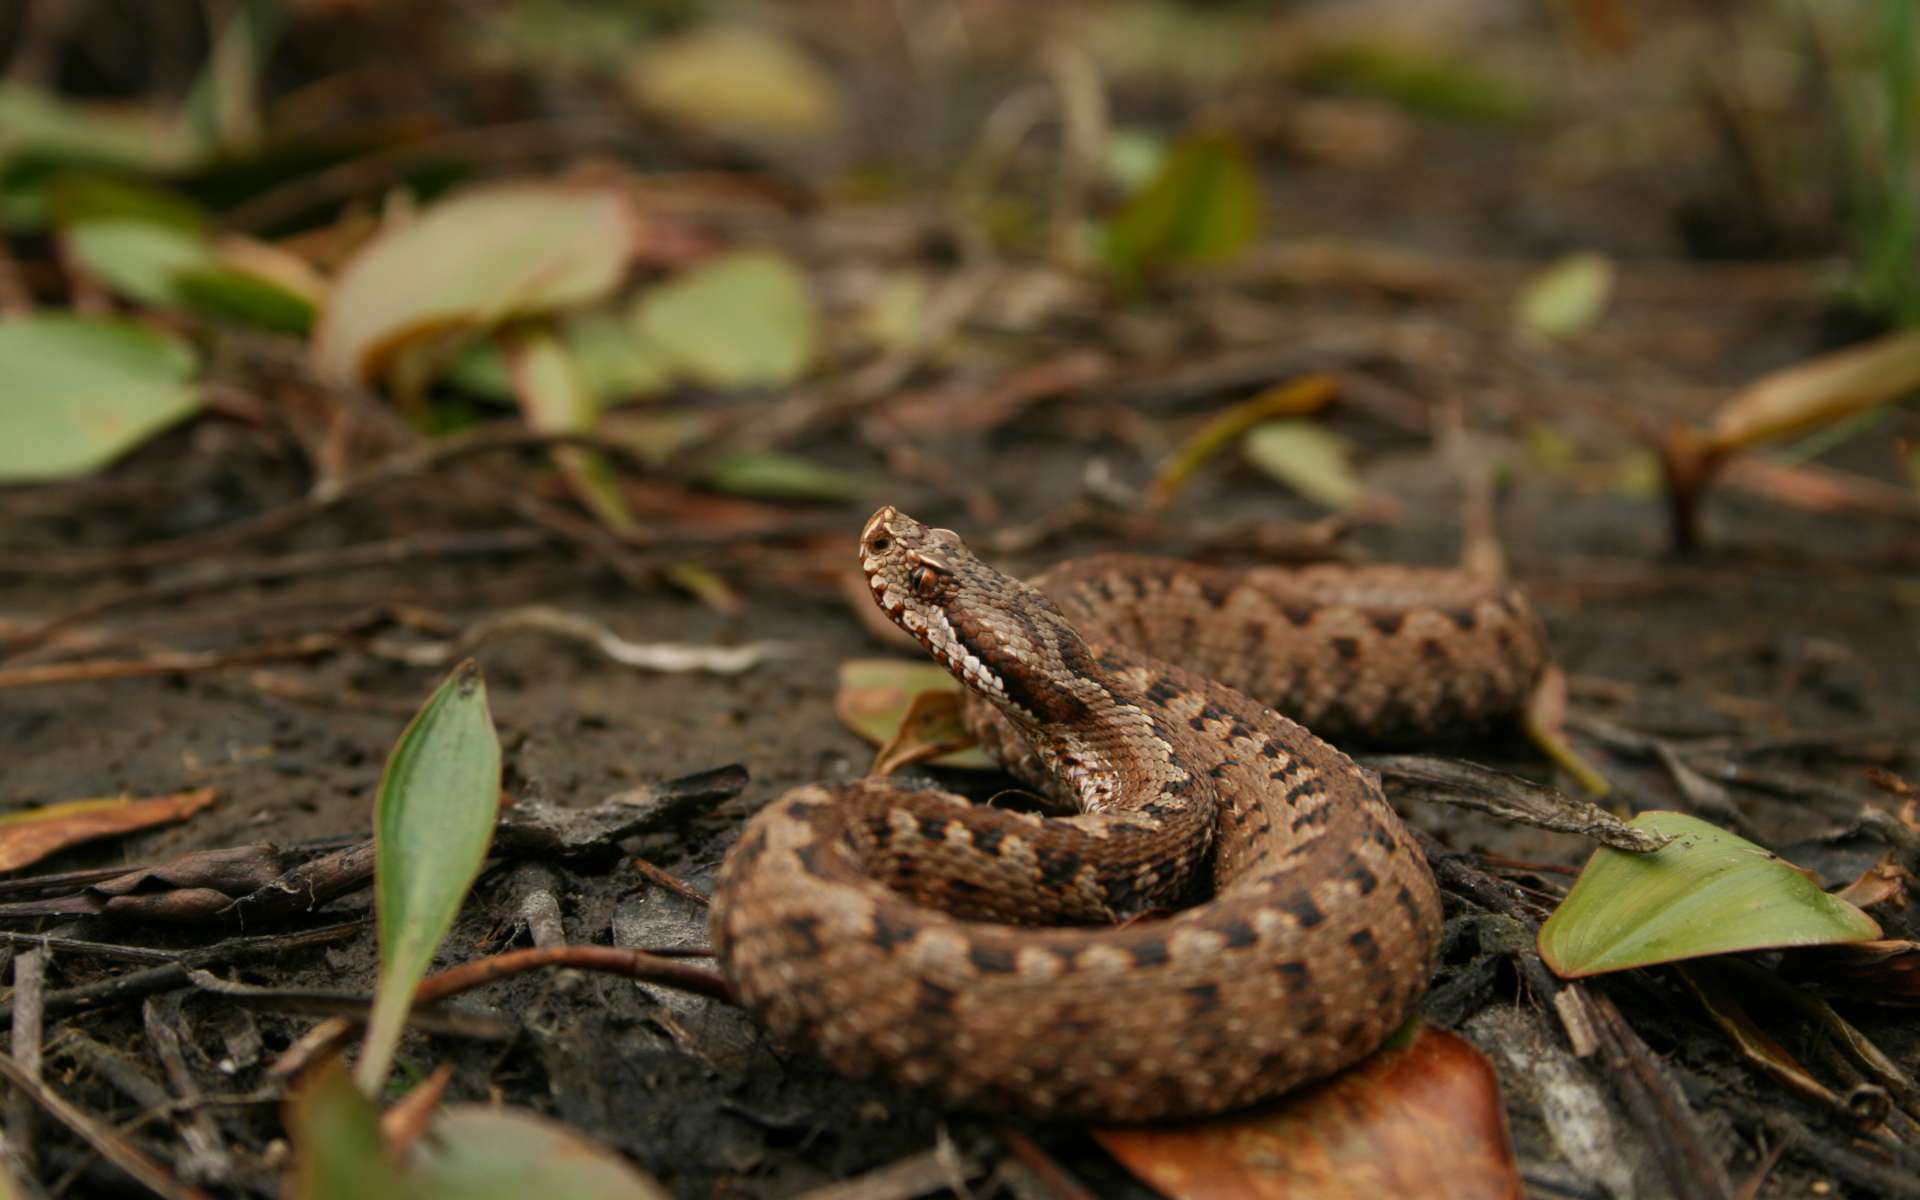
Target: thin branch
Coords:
[(110, 1145)]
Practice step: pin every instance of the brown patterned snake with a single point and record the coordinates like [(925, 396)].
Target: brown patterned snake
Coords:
[(992, 957)]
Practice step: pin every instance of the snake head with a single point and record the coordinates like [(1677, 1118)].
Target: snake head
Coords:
[(995, 634)]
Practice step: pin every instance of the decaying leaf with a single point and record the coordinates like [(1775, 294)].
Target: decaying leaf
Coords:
[(877, 694), (27, 837), (1423, 1119)]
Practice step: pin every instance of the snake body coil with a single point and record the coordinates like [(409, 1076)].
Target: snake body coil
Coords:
[(994, 957)]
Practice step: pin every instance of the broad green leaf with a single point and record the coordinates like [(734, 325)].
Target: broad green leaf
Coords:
[(1307, 457), (432, 824), (1202, 205), (742, 320), (556, 398), (738, 82), (1566, 297), (774, 476), (876, 694), (139, 259), (1707, 892), (169, 265), (80, 391), (475, 1152), (338, 1150), (472, 262)]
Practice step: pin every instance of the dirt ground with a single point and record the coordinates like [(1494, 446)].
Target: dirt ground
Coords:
[(1792, 623)]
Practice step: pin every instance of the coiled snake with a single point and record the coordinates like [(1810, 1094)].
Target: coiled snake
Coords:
[(1006, 960)]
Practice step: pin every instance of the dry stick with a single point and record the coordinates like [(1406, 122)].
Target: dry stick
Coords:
[(29, 999), (136, 984), (393, 551), (634, 964), (172, 662), (110, 1145)]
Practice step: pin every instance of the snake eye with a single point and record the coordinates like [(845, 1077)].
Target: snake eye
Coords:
[(924, 581), (880, 545)]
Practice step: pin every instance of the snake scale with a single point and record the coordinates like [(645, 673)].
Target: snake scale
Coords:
[(1021, 962)]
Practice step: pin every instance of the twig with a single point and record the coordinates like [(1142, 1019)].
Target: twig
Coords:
[(110, 1145), (29, 1001), (369, 554), (672, 883), (172, 662), (613, 960), (137, 984)]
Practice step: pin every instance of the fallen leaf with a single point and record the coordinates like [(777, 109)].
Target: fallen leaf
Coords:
[(83, 390), (478, 1152), (1424, 1119), (1202, 205), (1706, 892), (29, 836), (1566, 297), (1294, 398), (472, 262), (1817, 391), (771, 475), (432, 823), (735, 81), (876, 695), (930, 730), (1724, 988), (742, 320), (556, 398), (1309, 458)]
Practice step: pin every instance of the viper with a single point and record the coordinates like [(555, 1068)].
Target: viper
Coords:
[(1218, 907)]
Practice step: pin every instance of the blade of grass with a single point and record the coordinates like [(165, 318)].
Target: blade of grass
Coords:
[(432, 825)]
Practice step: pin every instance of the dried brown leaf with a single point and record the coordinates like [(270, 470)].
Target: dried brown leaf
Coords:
[(28, 837), (1420, 1120)]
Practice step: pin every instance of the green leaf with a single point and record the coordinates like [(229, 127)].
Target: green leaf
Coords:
[(137, 258), (1202, 205), (1707, 892), (432, 824), (222, 290), (77, 196), (740, 320), (1307, 457), (482, 1153), (43, 126), (473, 262), (80, 391), (338, 1150), (556, 398), (1567, 297), (777, 476)]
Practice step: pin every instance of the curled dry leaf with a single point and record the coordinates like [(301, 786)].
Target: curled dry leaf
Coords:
[(28, 837), (876, 699), (1423, 1119)]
